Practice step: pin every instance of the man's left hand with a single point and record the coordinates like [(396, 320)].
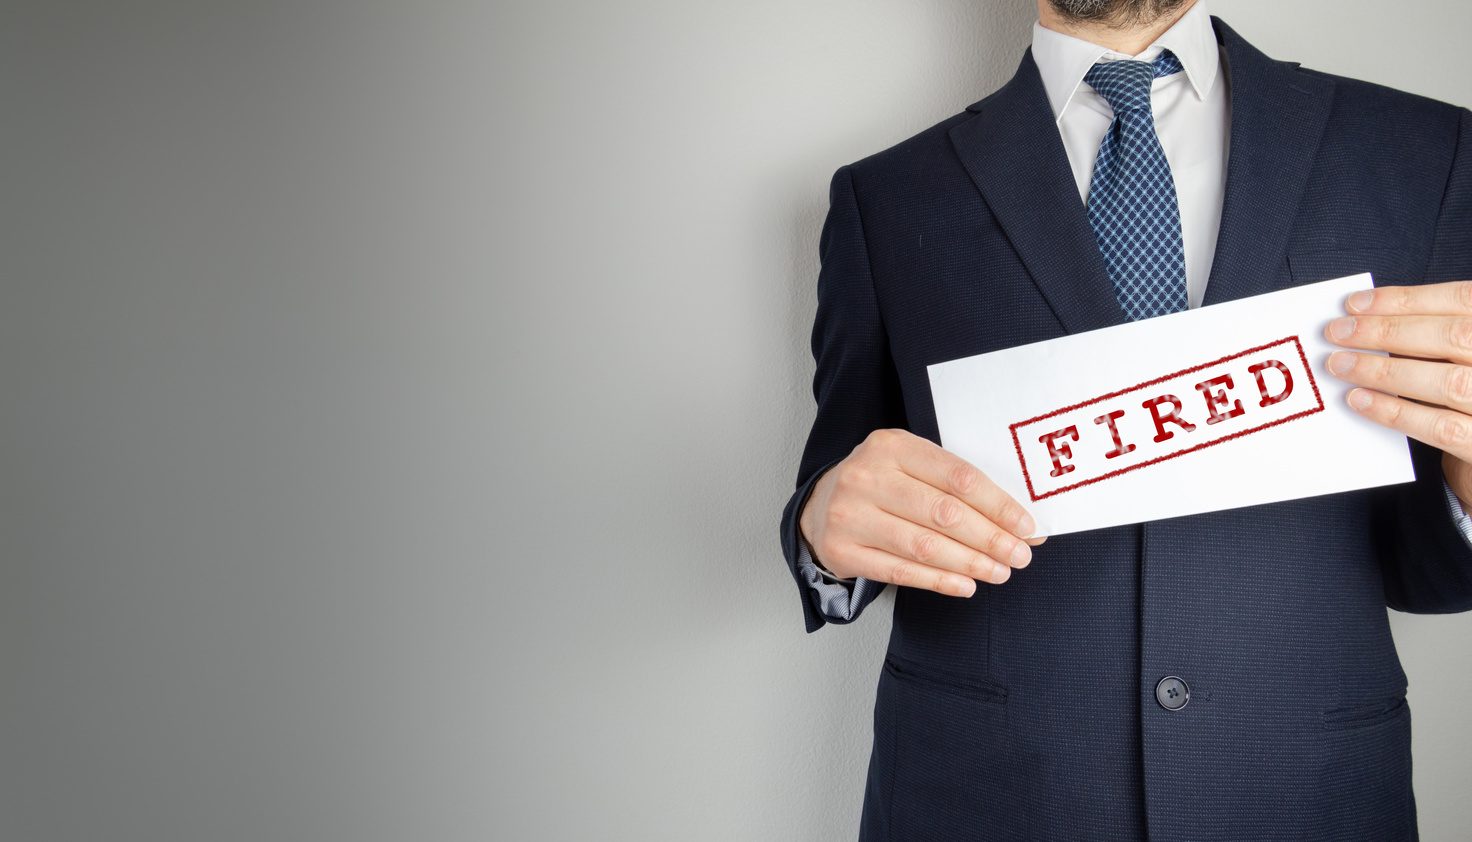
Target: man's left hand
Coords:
[(1424, 389)]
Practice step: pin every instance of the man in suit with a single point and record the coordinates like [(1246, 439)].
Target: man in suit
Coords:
[(1226, 676)]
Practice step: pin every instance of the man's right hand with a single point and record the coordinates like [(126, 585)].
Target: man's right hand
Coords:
[(903, 510)]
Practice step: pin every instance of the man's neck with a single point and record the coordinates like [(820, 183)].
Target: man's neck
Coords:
[(1128, 40)]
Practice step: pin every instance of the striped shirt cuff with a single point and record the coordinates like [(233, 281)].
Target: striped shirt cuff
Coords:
[(838, 598), (1459, 514)]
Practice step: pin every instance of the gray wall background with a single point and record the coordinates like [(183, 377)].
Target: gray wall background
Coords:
[(397, 401)]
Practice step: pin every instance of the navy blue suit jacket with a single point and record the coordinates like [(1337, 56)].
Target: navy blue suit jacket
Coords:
[(1028, 711)]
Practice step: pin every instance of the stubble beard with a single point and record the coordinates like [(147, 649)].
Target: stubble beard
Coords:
[(1115, 13)]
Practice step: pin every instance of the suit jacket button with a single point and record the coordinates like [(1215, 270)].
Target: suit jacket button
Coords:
[(1172, 693)]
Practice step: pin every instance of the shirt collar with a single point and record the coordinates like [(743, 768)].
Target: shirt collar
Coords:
[(1063, 60)]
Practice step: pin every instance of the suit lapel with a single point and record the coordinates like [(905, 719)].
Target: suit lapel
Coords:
[(1278, 119), (1014, 155)]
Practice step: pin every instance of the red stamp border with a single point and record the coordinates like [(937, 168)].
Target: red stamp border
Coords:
[(1017, 443)]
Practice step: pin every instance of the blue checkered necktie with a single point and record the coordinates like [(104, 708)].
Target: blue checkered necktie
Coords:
[(1132, 198)]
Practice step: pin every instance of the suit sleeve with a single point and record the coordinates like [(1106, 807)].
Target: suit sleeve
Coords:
[(855, 383), (1429, 567)]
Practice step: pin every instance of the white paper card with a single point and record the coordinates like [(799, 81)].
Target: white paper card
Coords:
[(1213, 408)]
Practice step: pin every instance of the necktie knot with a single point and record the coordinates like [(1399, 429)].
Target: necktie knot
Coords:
[(1125, 84)]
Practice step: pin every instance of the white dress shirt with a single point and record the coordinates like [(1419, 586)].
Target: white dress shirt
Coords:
[(1192, 111)]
